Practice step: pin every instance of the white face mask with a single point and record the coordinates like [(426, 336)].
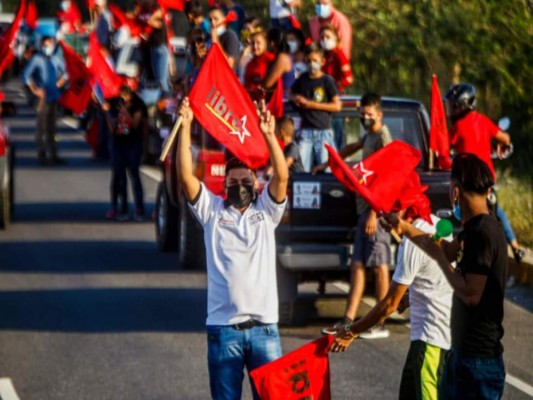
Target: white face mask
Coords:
[(323, 10), (65, 5), (293, 46), (328, 44), (47, 51), (221, 30), (314, 67)]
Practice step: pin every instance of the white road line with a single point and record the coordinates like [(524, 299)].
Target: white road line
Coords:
[(7, 390), (152, 172), (519, 384)]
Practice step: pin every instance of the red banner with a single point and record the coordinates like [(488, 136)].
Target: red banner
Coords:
[(301, 374), (7, 41), (223, 107), (276, 101), (102, 72), (380, 178), (31, 15), (77, 97), (439, 142)]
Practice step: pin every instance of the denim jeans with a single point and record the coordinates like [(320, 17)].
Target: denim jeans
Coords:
[(230, 350), (472, 378), (160, 65), (312, 149), (509, 233), (338, 131)]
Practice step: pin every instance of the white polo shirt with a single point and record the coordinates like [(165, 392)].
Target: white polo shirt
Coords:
[(241, 258), (430, 294)]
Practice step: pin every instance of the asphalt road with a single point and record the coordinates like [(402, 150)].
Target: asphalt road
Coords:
[(90, 309)]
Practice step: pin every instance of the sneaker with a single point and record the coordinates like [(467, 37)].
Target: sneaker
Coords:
[(111, 214), (123, 217), (376, 332), (332, 330), (519, 254)]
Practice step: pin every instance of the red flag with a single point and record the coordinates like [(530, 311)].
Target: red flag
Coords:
[(7, 41), (119, 16), (172, 4), (103, 73), (379, 179), (223, 107), (413, 199), (439, 141), (78, 95), (31, 15), (275, 105), (301, 374), (295, 22), (90, 4), (231, 16)]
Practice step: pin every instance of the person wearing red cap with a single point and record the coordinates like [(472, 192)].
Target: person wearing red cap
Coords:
[(430, 299)]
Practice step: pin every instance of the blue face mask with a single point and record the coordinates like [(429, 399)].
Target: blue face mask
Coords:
[(323, 10), (457, 212)]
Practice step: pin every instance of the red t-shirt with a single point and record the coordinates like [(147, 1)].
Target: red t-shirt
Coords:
[(255, 72), (338, 67), (472, 134)]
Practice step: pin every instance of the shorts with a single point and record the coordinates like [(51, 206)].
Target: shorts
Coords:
[(422, 371), (371, 251)]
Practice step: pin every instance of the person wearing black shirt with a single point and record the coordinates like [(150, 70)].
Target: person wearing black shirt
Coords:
[(126, 116), (475, 368), (227, 39), (317, 98)]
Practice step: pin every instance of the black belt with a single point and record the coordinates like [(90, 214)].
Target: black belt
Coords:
[(247, 324)]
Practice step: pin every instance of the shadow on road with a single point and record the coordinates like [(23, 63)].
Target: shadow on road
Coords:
[(105, 310)]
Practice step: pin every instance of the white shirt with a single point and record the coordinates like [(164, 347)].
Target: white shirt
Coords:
[(430, 294), (241, 258)]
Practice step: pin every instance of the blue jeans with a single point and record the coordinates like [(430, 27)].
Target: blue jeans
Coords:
[(472, 378), (312, 149), (160, 62), (229, 350), (338, 131), (509, 233)]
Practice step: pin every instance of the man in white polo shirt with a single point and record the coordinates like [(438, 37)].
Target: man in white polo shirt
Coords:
[(430, 298), (242, 296)]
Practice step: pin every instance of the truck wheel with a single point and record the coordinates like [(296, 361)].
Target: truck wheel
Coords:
[(5, 196), (166, 221), (287, 296), (191, 247)]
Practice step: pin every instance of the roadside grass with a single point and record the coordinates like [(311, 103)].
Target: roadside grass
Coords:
[(516, 197)]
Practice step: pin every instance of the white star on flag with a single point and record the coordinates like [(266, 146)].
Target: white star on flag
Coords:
[(361, 172), (242, 132)]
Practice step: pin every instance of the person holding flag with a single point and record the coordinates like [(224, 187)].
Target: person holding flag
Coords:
[(430, 299), (240, 248), (46, 75), (372, 242)]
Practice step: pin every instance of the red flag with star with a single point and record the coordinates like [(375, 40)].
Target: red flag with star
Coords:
[(379, 179), (439, 141), (103, 73), (301, 374), (223, 107)]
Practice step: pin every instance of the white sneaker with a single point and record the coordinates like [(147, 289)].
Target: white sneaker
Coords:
[(376, 332)]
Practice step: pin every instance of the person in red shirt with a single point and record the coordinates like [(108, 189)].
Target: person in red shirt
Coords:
[(326, 13), (256, 69), (69, 17), (336, 65), (474, 133)]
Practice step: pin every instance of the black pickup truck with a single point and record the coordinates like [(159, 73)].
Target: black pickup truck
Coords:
[(315, 238)]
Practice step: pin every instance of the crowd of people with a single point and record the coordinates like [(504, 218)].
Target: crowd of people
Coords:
[(457, 311)]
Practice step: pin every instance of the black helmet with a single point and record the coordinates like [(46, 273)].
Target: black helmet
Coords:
[(460, 99)]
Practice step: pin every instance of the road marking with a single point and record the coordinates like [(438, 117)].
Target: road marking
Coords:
[(519, 384), (152, 172), (7, 390)]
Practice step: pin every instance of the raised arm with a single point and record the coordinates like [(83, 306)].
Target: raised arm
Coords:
[(280, 178), (190, 183)]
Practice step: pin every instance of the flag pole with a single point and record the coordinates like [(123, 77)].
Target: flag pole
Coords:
[(170, 140)]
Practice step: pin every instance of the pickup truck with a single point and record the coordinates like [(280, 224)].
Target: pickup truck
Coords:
[(315, 237)]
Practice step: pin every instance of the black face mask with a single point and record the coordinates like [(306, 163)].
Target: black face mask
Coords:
[(240, 196), (367, 123)]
